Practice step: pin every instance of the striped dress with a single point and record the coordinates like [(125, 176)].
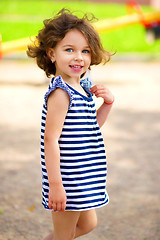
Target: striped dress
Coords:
[(82, 153)]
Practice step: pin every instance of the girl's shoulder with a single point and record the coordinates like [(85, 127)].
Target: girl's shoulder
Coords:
[(55, 83)]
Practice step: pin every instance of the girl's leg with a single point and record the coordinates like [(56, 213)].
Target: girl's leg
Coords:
[(64, 224), (86, 221), (49, 237)]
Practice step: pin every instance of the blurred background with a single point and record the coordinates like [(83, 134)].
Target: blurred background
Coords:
[(131, 134), (21, 19)]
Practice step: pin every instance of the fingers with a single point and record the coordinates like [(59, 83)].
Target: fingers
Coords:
[(103, 92), (50, 204), (57, 198), (60, 206), (63, 206), (99, 90)]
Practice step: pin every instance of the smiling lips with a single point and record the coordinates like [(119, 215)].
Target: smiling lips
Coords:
[(76, 68)]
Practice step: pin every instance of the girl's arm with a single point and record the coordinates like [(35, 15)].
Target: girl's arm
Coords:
[(57, 107), (103, 111)]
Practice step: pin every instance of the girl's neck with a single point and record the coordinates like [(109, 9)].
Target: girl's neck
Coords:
[(77, 87), (73, 82)]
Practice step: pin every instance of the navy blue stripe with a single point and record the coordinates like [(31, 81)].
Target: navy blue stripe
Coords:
[(74, 154), (83, 184), (45, 184), (43, 125), (83, 178), (45, 107), (84, 160), (83, 166), (44, 117), (84, 172), (88, 207), (80, 129), (88, 195), (80, 123), (81, 148), (80, 117), (81, 135), (82, 141), (81, 111), (83, 105), (45, 177)]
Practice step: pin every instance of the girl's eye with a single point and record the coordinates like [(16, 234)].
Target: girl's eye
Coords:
[(69, 50), (85, 51)]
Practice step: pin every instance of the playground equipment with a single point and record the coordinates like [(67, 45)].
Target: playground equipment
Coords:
[(151, 22), (152, 26)]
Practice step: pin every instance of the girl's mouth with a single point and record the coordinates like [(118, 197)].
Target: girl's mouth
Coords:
[(76, 68)]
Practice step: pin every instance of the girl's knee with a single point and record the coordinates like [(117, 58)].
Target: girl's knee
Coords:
[(91, 225), (88, 226)]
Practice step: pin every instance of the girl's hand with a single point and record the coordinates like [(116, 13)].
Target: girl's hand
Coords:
[(57, 197), (103, 92)]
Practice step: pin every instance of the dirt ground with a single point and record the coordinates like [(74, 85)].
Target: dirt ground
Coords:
[(132, 139)]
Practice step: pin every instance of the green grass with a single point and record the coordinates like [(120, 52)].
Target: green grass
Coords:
[(19, 19)]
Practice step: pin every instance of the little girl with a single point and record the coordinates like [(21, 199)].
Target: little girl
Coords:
[(73, 156)]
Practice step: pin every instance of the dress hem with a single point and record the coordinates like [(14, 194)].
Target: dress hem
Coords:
[(80, 210)]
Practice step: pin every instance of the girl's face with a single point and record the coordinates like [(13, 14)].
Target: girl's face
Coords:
[(72, 55)]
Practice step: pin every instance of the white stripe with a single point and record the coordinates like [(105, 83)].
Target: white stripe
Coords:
[(42, 153), (81, 101), (78, 164), (71, 171), (42, 128), (79, 126), (44, 114), (45, 174), (88, 150), (85, 180), (80, 133), (76, 200), (79, 139), (45, 110), (80, 145), (85, 107), (83, 175), (84, 157), (83, 114), (88, 205), (80, 120), (86, 186), (83, 193)]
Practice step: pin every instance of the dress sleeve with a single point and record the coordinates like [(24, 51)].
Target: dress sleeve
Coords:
[(58, 83)]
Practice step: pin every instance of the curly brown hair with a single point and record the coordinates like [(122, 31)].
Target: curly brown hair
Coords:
[(55, 29)]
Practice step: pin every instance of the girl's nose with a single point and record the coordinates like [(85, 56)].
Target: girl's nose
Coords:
[(78, 56)]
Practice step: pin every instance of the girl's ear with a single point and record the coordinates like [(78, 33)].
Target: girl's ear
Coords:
[(50, 54)]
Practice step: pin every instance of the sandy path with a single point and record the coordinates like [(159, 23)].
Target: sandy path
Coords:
[(132, 138)]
